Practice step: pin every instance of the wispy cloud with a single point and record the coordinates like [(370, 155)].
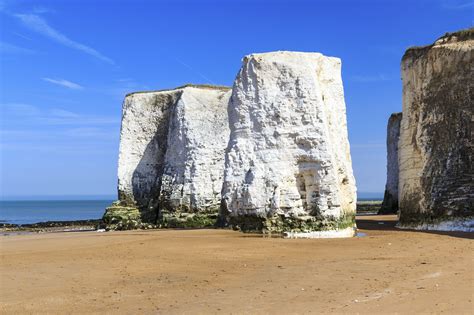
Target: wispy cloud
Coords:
[(39, 25), (22, 36), (49, 135), (90, 132), (369, 78), (42, 10), (6, 48), (193, 70), (28, 128), (458, 5), (123, 86), (125, 80), (63, 113), (30, 115), (19, 109), (62, 145), (64, 83)]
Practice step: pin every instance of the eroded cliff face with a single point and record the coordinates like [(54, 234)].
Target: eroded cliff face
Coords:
[(192, 179), (436, 138), (390, 199), (143, 145), (288, 165), (171, 156)]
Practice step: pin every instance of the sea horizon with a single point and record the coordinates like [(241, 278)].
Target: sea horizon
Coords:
[(35, 211), (69, 197), (29, 209), (65, 197)]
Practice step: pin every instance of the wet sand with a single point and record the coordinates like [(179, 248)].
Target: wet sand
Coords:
[(222, 271)]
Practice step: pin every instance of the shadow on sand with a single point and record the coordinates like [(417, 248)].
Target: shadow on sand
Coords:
[(388, 223)]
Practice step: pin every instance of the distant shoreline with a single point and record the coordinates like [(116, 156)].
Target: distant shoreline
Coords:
[(363, 196), (57, 197), (364, 206), (27, 212), (49, 227)]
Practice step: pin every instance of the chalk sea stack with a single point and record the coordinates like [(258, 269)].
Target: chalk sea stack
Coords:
[(271, 155), (288, 166), (390, 199), (171, 159), (190, 192), (436, 186)]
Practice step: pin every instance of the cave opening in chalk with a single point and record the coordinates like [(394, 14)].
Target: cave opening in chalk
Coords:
[(301, 184), (308, 189)]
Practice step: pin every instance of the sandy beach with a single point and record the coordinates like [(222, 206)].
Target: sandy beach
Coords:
[(223, 271)]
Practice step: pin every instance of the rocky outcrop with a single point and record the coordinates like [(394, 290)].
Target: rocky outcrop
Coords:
[(190, 192), (436, 138), (390, 199), (288, 166), (171, 157), (143, 145)]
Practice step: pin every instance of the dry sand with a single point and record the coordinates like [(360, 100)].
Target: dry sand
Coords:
[(221, 271)]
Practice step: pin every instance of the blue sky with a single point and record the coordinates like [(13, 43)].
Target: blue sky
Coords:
[(66, 66)]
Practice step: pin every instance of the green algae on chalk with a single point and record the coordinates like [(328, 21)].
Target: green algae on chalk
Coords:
[(279, 224)]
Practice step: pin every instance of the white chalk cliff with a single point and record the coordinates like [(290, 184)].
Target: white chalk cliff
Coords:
[(143, 136), (272, 154), (390, 199), (171, 158), (436, 186), (194, 161), (288, 165)]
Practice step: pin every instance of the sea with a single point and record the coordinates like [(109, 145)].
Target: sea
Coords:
[(69, 208), (34, 211)]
